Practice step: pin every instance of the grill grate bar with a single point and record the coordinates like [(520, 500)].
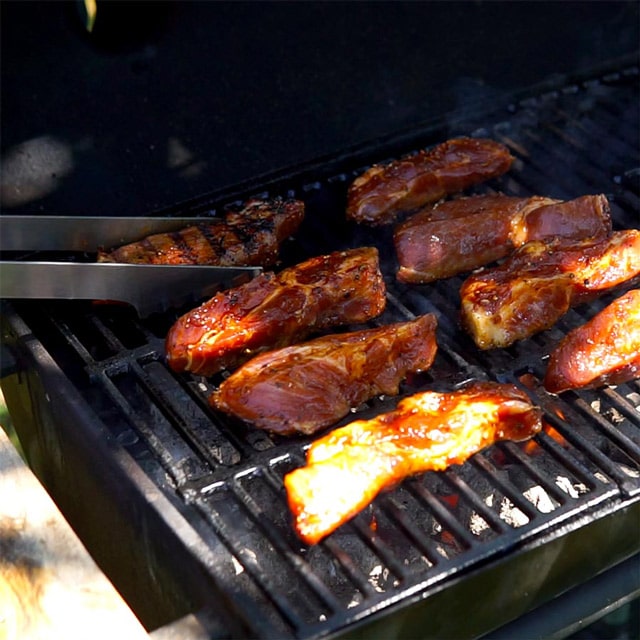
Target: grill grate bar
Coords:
[(586, 175), (631, 412), (509, 490), (542, 166), (615, 435), (618, 121), (212, 447), (109, 336), (72, 339), (567, 461), (148, 420), (591, 129), (252, 564), (463, 489), (628, 206), (277, 540), (603, 462), (380, 548), (442, 513), (348, 564), (405, 525)]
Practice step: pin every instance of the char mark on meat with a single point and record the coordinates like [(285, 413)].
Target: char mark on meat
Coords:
[(250, 236)]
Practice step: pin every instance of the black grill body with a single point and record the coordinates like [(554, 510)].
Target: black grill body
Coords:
[(185, 509)]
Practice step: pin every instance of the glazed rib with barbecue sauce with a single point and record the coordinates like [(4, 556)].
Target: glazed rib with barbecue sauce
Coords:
[(604, 350), (304, 387), (540, 282), (460, 235), (428, 431), (384, 191), (247, 236), (276, 310)]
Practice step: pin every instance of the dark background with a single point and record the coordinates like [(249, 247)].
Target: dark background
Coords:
[(166, 101)]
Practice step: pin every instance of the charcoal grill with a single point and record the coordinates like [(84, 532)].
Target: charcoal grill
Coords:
[(185, 508)]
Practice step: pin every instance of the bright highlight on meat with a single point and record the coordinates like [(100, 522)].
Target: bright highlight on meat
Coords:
[(428, 431)]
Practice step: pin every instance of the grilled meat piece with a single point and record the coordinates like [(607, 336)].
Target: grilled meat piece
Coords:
[(540, 282), (464, 234), (250, 236), (275, 310), (385, 190), (304, 387), (428, 431), (605, 350)]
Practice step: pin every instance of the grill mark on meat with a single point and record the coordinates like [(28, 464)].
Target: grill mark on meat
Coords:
[(250, 236), (188, 253)]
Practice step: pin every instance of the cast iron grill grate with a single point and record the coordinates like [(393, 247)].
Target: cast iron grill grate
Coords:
[(228, 478)]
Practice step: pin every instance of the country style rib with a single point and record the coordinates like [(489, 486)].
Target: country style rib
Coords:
[(460, 235), (428, 431), (382, 192), (249, 236), (540, 282), (275, 310), (604, 350), (305, 387)]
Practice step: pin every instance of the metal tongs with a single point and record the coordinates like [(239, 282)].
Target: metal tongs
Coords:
[(148, 288)]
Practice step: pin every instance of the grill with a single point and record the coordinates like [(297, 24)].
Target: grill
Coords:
[(186, 509)]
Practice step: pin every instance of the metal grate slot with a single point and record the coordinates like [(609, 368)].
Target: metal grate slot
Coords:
[(393, 524), (516, 495), (189, 418), (593, 448), (130, 393), (256, 557)]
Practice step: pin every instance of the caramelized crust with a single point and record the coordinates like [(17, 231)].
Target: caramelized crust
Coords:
[(383, 191), (461, 235), (605, 350), (540, 282), (347, 468), (274, 311), (302, 388), (250, 237)]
